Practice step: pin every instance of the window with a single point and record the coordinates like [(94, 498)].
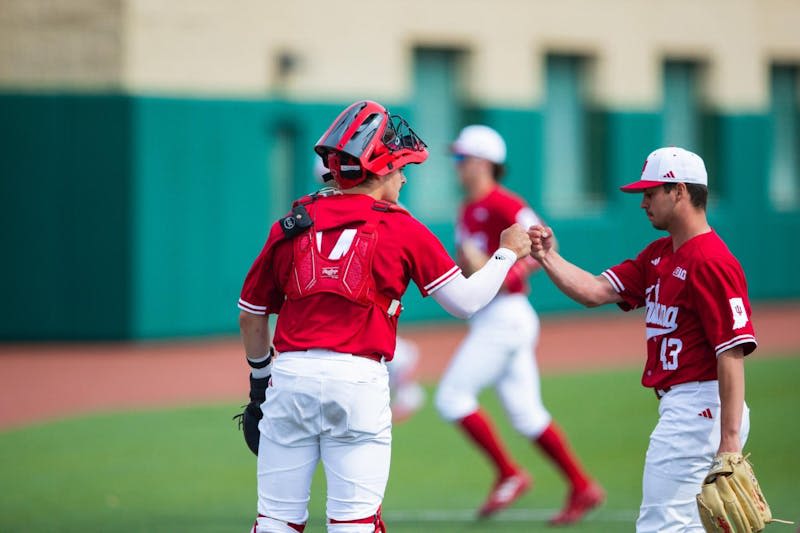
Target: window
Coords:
[(784, 178), (685, 122), (433, 193), (570, 186), (681, 111)]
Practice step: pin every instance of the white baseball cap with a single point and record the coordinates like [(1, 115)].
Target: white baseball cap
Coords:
[(670, 165), (480, 141)]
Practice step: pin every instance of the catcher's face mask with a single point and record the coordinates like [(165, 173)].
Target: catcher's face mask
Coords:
[(364, 139)]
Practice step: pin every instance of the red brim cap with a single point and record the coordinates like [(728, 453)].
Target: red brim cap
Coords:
[(640, 185)]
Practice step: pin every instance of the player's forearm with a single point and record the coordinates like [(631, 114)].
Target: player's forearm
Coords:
[(730, 372), (254, 330), (470, 258), (462, 297), (468, 267), (580, 285)]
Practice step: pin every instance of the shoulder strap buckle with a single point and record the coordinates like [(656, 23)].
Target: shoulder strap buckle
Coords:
[(382, 206), (296, 222)]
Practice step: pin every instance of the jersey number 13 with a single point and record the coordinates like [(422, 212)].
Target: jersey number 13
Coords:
[(670, 348)]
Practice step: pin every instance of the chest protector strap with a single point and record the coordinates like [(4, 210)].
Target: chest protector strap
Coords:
[(349, 275)]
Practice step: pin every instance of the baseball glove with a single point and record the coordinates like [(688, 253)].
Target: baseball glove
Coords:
[(730, 499), (250, 417)]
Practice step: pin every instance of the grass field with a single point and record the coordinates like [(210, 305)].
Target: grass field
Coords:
[(187, 470)]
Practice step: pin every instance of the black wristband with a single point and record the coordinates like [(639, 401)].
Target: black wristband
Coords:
[(263, 363)]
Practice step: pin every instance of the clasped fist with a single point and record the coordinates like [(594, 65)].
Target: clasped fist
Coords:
[(541, 241), (516, 239)]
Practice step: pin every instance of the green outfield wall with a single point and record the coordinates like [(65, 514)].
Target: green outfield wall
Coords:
[(137, 217)]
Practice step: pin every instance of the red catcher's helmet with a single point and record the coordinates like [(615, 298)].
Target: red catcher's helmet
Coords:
[(365, 139)]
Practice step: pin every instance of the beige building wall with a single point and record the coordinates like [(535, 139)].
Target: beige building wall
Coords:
[(360, 47), (62, 44)]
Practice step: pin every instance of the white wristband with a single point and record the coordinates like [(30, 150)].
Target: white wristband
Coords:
[(262, 366)]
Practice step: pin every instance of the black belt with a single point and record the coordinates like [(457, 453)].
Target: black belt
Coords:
[(373, 356), (661, 392)]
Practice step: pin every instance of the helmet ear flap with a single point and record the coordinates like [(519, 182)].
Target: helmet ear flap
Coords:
[(346, 170)]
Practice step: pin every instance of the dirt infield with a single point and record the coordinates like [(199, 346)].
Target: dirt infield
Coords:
[(48, 381)]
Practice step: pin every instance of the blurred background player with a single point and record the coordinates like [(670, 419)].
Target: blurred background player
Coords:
[(499, 349), (407, 394), (334, 271)]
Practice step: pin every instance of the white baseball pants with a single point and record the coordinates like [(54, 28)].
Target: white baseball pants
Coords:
[(682, 447), (498, 351), (327, 406)]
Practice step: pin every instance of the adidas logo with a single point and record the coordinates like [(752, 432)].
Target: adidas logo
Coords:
[(669, 174), (655, 261), (705, 414)]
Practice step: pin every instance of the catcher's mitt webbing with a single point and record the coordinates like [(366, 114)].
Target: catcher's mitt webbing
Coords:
[(730, 499), (248, 424), (249, 418)]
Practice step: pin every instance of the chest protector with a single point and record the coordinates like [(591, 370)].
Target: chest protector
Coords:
[(348, 274)]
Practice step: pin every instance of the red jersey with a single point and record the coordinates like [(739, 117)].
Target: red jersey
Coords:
[(481, 222), (697, 307), (405, 250)]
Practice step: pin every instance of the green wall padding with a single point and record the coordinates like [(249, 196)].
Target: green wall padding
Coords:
[(65, 184), (132, 217)]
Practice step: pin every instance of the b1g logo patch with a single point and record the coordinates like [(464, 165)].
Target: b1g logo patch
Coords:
[(739, 315), (679, 273)]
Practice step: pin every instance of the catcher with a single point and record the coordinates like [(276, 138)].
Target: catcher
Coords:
[(334, 271), (730, 500)]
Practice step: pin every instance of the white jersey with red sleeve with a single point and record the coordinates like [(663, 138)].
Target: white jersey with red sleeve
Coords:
[(481, 222), (696, 307), (406, 250)]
